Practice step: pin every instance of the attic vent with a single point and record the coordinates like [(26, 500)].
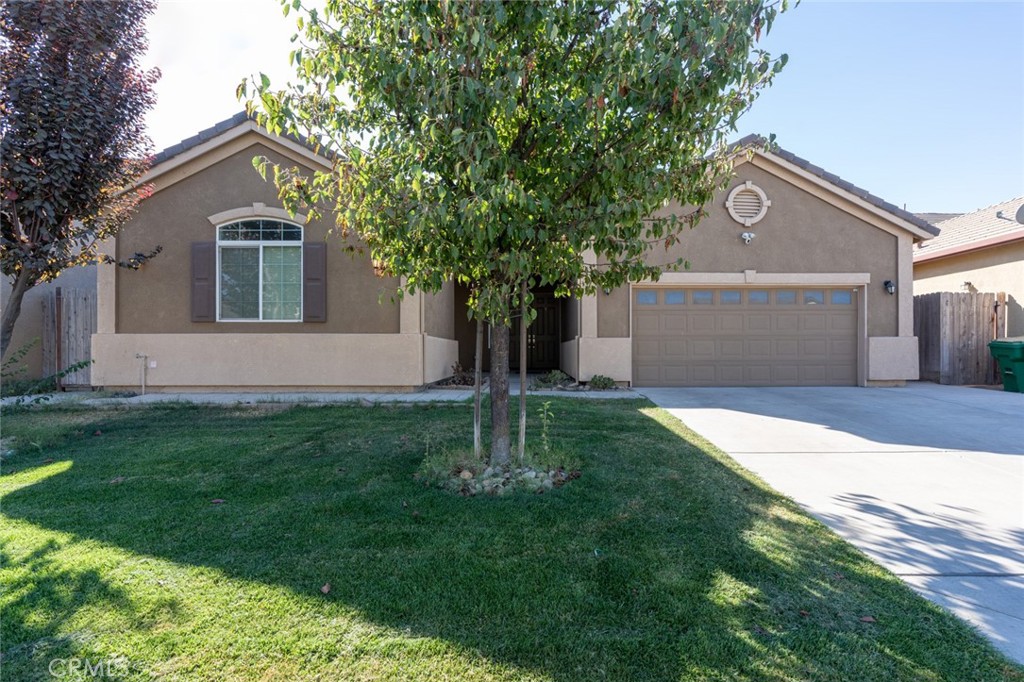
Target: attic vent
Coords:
[(747, 203)]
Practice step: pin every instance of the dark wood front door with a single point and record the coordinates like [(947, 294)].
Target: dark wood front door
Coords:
[(542, 337)]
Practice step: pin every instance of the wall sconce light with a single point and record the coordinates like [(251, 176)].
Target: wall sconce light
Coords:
[(890, 286), (607, 291)]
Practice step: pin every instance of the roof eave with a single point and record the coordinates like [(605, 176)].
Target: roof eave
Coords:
[(920, 229), (960, 249)]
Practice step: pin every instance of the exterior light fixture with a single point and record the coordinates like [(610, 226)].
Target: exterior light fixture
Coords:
[(890, 286)]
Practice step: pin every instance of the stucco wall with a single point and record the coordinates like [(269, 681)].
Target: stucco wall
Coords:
[(800, 233), (439, 312), (260, 361), (30, 322), (156, 298), (993, 270)]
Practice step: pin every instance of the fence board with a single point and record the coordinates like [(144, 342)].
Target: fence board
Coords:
[(68, 341), (953, 331)]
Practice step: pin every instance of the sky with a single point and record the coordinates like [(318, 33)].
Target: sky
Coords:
[(920, 103)]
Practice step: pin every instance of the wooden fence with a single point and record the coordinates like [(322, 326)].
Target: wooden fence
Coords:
[(953, 331), (69, 320)]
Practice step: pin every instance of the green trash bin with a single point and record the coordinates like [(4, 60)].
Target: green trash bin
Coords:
[(1009, 353)]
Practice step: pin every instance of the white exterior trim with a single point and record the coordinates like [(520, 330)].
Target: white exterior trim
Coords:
[(829, 192), (216, 149), (258, 246), (754, 278), (257, 210)]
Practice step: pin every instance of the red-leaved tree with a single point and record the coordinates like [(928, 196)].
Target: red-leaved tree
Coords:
[(73, 98)]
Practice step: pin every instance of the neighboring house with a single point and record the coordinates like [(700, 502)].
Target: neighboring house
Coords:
[(245, 297), (29, 327), (980, 251)]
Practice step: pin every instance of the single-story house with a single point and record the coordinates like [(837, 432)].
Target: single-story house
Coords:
[(798, 278), (980, 251)]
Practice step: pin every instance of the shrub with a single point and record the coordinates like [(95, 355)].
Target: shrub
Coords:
[(461, 376), (600, 382), (556, 378)]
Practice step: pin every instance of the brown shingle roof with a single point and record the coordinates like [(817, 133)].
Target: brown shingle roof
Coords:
[(222, 127), (982, 228), (759, 141), (748, 141)]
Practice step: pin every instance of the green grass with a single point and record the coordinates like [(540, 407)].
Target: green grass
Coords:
[(664, 561)]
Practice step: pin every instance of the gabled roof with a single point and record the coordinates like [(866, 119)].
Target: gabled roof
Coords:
[(202, 136), (989, 226), (759, 143), (223, 127), (228, 136)]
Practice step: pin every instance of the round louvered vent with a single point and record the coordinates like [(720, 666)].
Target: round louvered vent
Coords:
[(747, 203)]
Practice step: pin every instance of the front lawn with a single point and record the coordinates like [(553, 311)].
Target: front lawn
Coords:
[(199, 543)]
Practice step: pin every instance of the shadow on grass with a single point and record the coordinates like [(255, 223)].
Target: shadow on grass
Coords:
[(64, 608), (663, 562)]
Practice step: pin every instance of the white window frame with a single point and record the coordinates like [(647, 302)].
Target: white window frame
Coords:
[(259, 245)]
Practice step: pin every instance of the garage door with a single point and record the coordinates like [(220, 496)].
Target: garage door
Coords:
[(744, 337)]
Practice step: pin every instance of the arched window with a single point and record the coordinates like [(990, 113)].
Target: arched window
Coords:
[(259, 271)]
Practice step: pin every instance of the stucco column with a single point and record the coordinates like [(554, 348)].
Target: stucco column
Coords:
[(106, 290), (905, 285), (411, 313), (588, 316)]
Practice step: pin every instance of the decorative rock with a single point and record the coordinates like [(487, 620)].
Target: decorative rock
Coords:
[(466, 474), (488, 472), (530, 474)]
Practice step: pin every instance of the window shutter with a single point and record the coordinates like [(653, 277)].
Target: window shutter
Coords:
[(314, 282), (204, 281)]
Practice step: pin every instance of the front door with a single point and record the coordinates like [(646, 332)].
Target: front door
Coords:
[(542, 337)]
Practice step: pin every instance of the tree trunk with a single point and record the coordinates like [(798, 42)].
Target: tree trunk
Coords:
[(478, 375), (522, 372), (500, 443), (13, 310)]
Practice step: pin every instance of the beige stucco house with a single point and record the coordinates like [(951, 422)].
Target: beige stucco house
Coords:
[(797, 278), (980, 251)]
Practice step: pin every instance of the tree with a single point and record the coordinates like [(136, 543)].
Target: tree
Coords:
[(503, 143), (72, 102)]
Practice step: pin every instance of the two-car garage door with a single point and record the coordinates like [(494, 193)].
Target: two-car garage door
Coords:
[(744, 337)]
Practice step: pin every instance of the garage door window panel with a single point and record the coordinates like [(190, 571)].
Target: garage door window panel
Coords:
[(730, 297), (785, 297), (703, 297), (675, 297), (842, 297), (757, 297), (813, 297), (647, 297)]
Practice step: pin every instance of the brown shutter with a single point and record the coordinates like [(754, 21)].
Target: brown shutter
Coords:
[(204, 281), (314, 282)]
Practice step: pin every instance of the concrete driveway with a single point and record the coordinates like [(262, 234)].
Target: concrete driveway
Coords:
[(928, 480)]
